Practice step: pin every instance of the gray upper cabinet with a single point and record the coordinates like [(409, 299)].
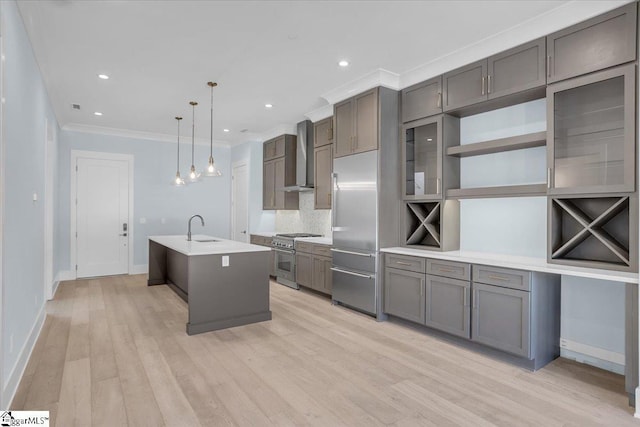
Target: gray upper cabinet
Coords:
[(278, 171), (465, 86), (323, 166), (274, 148), (516, 70), (422, 100), (448, 305), (601, 42), (404, 294), (591, 133), (501, 318), (268, 185), (356, 124), (323, 132)]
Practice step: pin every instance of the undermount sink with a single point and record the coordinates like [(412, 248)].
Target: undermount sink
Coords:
[(205, 240)]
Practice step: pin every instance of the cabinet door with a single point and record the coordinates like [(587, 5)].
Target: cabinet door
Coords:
[(366, 122), (422, 157), (304, 270), (500, 318), (279, 146), (448, 305), (269, 150), (601, 42), (404, 294), (591, 133), (279, 183), (343, 116), (517, 69), (465, 86), (323, 165), (323, 132), (322, 274), (422, 100), (268, 185)]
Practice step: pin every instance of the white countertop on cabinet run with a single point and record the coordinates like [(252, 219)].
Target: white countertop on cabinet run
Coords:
[(180, 244), (264, 233), (518, 262), (317, 240)]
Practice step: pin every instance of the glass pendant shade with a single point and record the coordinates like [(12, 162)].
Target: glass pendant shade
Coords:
[(212, 170), (178, 181), (194, 175)]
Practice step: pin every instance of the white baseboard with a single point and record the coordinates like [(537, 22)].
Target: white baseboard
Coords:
[(13, 380), (599, 357), (139, 269), (637, 412), (65, 275)]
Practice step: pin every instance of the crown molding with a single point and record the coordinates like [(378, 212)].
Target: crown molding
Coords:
[(556, 19), (379, 77), (320, 113), (277, 131), (134, 134)]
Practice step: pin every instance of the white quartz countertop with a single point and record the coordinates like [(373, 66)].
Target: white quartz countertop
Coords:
[(317, 240), (517, 262), (264, 233), (220, 246)]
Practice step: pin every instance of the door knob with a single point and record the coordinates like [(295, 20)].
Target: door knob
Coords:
[(244, 231), (123, 234)]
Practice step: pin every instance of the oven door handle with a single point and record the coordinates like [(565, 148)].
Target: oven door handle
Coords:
[(339, 270), (284, 251)]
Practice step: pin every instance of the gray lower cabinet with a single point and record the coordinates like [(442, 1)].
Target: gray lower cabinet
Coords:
[(404, 294), (501, 318), (313, 266), (322, 277), (304, 269), (598, 43), (448, 305)]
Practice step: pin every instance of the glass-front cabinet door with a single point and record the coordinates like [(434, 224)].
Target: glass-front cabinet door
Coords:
[(422, 157), (591, 133)]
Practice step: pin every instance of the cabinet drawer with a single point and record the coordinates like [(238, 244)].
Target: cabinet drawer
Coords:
[(260, 240), (455, 270), (505, 277), (322, 250), (304, 247), (403, 262)]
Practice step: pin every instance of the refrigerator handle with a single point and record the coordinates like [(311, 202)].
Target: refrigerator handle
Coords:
[(352, 273), (334, 207), (352, 253)]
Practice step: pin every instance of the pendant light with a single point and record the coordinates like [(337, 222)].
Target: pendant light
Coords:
[(194, 176), (211, 168), (178, 181)]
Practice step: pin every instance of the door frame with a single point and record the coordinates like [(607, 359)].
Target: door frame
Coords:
[(235, 165), (73, 249), (50, 150)]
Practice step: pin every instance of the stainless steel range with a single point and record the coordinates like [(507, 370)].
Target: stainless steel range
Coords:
[(285, 259)]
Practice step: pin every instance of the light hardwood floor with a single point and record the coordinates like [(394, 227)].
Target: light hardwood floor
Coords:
[(114, 352)]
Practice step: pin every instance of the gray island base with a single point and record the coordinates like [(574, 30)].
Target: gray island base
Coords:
[(224, 283)]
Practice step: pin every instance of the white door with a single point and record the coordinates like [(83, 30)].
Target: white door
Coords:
[(240, 202), (102, 217)]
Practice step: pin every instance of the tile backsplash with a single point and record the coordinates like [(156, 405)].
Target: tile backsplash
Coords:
[(306, 219)]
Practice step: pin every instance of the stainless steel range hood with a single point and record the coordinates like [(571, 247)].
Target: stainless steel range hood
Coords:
[(304, 158)]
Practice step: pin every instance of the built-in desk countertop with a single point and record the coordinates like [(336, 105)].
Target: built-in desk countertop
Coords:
[(517, 262)]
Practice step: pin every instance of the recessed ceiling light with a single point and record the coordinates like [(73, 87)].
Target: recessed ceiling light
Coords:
[(343, 63), (268, 105), (97, 113), (103, 76), (225, 130)]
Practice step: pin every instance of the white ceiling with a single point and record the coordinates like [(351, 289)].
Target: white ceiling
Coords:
[(160, 54)]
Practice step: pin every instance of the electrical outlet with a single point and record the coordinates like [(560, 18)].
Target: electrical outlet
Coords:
[(225, 260)]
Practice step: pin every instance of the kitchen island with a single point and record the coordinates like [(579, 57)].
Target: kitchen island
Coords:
[(224, 283)]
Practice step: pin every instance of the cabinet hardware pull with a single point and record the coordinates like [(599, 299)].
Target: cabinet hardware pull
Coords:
[(446, 270), (404, 263), (489, 84), (339, 270), (504, 279), (330, 134), (437, 185), (549, 66), (548, 177), (421, 289), (482, 85), (465, 301), (334, 201), (475, 299), (439, 101)]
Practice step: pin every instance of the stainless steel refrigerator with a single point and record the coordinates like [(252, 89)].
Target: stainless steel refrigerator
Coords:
[(366, 197)]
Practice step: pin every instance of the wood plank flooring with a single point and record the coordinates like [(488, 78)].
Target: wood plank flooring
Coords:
[(115, 352)]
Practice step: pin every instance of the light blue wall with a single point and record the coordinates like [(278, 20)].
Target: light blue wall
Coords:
[(165, 208), (259, 220), (27, 105)]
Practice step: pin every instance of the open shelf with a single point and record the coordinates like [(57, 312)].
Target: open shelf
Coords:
[(526, 190), (537, 139), (591, 231)]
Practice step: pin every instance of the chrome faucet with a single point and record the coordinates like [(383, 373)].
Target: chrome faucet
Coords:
[(189, 232)]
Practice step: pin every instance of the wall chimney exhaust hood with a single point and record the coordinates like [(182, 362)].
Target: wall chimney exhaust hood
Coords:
[(304, 158)]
